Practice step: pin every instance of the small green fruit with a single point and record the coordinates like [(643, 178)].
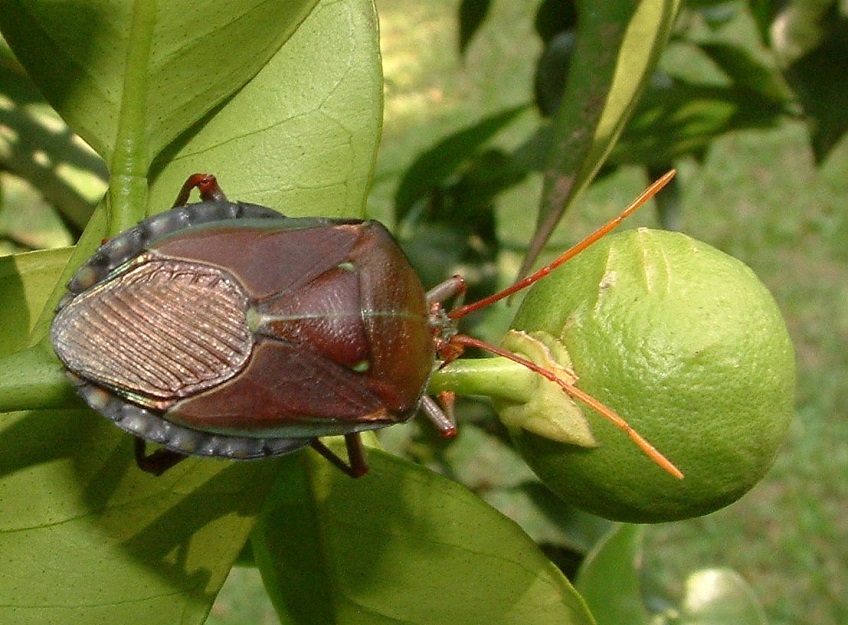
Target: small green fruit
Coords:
[(687, 345)]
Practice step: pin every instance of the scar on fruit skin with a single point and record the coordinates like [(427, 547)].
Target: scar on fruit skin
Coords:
[(608, 280)]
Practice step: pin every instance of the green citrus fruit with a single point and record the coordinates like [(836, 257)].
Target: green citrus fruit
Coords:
[(687, 345)]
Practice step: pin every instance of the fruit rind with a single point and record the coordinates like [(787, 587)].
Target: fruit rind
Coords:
[(690, 348)]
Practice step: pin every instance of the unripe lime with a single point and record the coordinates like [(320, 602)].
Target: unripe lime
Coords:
[(687, 345)]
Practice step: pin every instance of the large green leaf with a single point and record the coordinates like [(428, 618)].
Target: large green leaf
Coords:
[(87, 537), (37, 146), (818, 78), (300, 136), (137, 72), (402, 544), (614, 564), (26, 281), (616, 48)]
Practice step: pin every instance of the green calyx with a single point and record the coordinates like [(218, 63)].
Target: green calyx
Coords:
[(547, 410)]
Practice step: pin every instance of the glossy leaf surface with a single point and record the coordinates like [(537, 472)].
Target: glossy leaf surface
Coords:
[(26, 280), (615, 563), (123, 73), (402, 544), (88, 537)]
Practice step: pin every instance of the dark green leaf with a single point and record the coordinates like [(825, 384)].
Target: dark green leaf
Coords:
[(26, 281), (801, 27), (472, 14), (88, 538), (609, 578), (552, 72), (122, 72), (555, 17), (616, 49), (747, 72), (818, 77), (685, 118), (435, 165), (764, 12), (402, 545)]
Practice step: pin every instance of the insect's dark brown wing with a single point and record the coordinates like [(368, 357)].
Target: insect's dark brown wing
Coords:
[(287, 390), (267, 260)]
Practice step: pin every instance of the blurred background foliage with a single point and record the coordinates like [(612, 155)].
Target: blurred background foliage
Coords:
[(748, 103)]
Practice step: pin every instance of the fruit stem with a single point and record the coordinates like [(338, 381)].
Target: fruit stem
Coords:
[(511, 378), (491, 377)]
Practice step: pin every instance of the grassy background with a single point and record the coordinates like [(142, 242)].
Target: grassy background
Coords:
[(758, 196)]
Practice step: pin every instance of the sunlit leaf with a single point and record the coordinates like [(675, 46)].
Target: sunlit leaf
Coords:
[(86, 537), (302, 136), (402, 544), (26, 281), (123, 72), (37, 146)]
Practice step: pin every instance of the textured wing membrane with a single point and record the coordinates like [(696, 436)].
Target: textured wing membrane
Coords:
[(160, 331)]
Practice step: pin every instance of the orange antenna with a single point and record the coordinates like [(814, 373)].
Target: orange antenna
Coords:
[(570, 253), (454, 347), (649, 450)]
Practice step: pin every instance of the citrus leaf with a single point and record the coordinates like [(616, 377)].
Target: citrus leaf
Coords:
[(616, 49), (402, 544), (433, 167), (685, 118), (301, 136), (26, 281), (614, 564), (86, 537), (140, 72), (472, 14), (817, 78), (746, 71), (37, 146)]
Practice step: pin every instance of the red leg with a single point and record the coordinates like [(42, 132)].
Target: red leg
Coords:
[(357, 463), (206, 184), (452, 287)]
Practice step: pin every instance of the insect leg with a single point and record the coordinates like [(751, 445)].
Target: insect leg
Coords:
[(442, 419), (357, 463), (159, 461)]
